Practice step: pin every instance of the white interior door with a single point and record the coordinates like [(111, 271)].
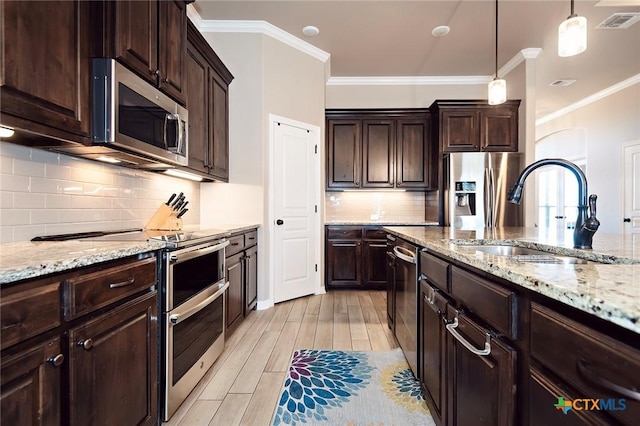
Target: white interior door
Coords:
[(631, 220), (296, 197)]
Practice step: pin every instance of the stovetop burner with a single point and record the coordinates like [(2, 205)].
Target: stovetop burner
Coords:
[(173, 239)]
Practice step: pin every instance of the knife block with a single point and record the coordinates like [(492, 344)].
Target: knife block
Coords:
[(164, 219)]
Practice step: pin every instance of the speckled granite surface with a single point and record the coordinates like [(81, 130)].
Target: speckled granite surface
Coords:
[(609, 291), (25, 260), (379, 223)]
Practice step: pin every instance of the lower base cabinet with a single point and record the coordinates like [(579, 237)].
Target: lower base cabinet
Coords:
[(80, 348), (242, 274)]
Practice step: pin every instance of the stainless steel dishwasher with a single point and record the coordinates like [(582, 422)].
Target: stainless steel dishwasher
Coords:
[(406, 313)]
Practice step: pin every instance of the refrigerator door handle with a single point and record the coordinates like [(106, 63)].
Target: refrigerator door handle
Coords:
[(487, 198), (494, 213)]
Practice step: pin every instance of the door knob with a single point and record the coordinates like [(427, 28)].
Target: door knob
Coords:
[(626, 220), (279, 222)]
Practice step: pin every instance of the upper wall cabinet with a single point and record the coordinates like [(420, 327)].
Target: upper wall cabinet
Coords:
[(208, 81), (465, 126), (148, 36), (45, 68), (376, 149)]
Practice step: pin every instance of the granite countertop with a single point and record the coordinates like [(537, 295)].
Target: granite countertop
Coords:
[(609, 291), (27, 259), (379, 223)]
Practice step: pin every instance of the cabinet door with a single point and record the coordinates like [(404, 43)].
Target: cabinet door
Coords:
[(374, 254), (136, 36), (499, 129), (344, 263), (544, 408), (459, 130), (113, 367), (432, 352), (197, 77), (235, 302), (482, 388), (31, 386), (413, 154), (378, 141), (172, 47), (218, 127), (343, 153), (45, 68), (251, 279)]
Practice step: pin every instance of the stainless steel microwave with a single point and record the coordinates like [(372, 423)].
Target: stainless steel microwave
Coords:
[(130, 114)]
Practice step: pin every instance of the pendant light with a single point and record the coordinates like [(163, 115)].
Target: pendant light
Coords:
[(572, 35), (497, 87)]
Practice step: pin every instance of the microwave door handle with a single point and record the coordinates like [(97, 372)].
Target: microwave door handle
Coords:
[(164, 131), (180, 134)]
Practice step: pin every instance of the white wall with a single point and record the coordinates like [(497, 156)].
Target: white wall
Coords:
[(44, 193), (604, 128), (270, 77)]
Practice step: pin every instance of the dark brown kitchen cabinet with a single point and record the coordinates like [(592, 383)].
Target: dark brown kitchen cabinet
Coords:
[(148, 36), (112, 365), (242, 274), (45, 68), (80, 347), (432, 354), (31, 381), (356, 257), (208, 82), (596, 365), (465, 126), (379, 149), (482, 387)]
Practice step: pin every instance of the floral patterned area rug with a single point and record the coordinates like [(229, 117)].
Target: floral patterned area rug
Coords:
[(352, 389)]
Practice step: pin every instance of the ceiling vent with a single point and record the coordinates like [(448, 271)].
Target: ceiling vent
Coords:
[(619, 21), (562, 83)]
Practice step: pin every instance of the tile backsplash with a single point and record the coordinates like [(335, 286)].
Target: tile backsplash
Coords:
[(373, 205), (43, 193)]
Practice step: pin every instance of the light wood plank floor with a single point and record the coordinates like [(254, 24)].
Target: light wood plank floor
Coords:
[(243, 385)]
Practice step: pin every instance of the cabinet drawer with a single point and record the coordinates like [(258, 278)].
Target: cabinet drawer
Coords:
[(86, 293), (491, 302), (236, 245), (342, 232), (375, 233), (28, 309), (436, 270), (251, 238), (596, 365)]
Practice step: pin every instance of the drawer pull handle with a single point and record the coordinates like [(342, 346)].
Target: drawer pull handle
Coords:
[(482, 352), (590, 375), (430, 296), (57, 360), (123, 283), (235, 244), (86, 343)]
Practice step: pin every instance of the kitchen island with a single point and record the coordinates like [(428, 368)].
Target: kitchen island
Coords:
[(505, 340)]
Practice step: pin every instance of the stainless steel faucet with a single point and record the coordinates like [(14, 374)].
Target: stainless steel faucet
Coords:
[(586, 227)]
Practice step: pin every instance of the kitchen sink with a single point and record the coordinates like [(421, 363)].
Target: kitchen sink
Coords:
[(524, 254)]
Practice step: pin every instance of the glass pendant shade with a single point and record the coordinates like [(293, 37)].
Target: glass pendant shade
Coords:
[(572, 36), (497, 91)]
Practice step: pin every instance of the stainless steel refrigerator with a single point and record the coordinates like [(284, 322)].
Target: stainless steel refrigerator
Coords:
[(476, 187)]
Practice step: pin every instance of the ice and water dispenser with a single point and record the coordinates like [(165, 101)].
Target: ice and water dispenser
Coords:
[(465, 199)]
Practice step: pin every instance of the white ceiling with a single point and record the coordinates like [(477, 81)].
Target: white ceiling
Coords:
[(393, 38)]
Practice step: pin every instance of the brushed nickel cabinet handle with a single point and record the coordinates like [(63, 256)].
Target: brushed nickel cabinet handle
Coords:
[(56, 361), (86, 343), (591, 376), (123, 283), (451, 328)]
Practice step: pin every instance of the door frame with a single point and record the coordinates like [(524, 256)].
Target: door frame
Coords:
[(623, 183), (270, 222)]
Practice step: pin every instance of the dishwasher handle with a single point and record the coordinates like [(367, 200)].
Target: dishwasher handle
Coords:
[(405, 254)]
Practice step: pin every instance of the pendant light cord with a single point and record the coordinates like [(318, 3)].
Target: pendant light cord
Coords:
[(496, 77)]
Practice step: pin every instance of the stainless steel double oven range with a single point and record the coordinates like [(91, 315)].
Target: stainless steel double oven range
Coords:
[(191, 291), (193, 306)]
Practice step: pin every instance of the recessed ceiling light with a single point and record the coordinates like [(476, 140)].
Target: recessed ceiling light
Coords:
[(310, 31), (562, 82), (440, 31)]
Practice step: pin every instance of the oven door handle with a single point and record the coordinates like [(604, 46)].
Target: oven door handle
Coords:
[(178, 318), (180, 257)]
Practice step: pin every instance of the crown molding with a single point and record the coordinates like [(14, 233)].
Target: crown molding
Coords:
[(518, 58), (409, 81), (194, 16), (590, 99)]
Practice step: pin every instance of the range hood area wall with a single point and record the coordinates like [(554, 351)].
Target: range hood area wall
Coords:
[(43, 193)]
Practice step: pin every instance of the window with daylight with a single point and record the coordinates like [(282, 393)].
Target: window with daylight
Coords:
[(558, 197)]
